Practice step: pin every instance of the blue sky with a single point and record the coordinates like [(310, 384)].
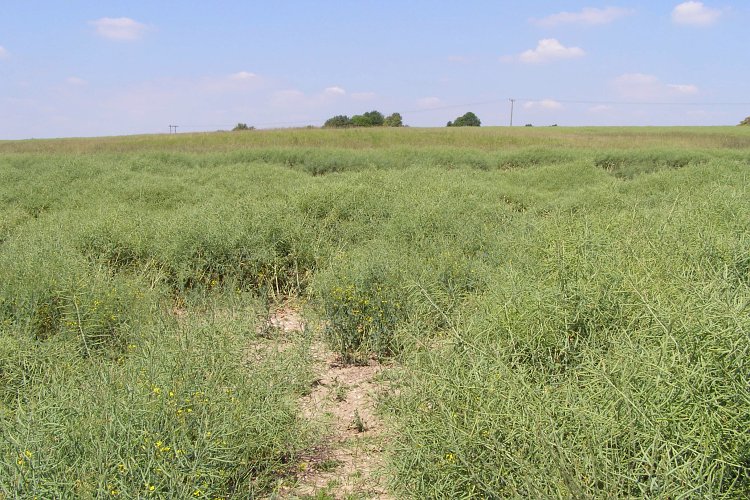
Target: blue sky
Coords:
[(86, 68)]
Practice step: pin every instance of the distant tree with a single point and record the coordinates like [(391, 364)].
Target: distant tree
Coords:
[(376, 118), (242, 126), (369, 119), (394, 120), (746, 121), (467, 120), (338, 121)]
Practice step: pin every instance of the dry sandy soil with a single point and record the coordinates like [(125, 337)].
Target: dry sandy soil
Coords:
[(348, 463)]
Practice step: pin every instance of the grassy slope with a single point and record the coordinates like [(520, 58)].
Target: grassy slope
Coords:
[(570, 306)]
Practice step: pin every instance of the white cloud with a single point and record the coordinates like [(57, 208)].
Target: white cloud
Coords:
[(600, 108), (643, 86), (429, 102), (695, 13), (334, 91), (549, 49), (587, 16), (685, 89), (3, 52), (74, 80), (119, 28), (547, 104), (243, 76)]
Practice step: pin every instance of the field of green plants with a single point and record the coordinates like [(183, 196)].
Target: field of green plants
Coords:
[(565, 312)]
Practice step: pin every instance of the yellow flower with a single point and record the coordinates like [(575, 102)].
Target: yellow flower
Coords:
[(28, 454), (156, 390), (151, 487)]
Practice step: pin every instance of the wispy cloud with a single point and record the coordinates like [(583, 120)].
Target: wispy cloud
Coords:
[(695, 14), (549, 49), (76, 81), (243, 76), (334, 91), (587, 16), (119, 28), (649, 87), (546, 104), (684, 89), (600, 108)]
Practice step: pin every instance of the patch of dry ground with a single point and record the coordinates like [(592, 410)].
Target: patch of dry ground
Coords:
[(349, 461)]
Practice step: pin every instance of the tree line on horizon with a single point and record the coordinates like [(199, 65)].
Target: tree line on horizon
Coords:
[(369, 119), (377, 119)]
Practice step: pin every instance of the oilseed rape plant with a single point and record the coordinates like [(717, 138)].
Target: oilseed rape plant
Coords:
[(558, 312)]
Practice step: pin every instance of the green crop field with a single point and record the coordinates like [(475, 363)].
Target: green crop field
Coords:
[(563, 312)]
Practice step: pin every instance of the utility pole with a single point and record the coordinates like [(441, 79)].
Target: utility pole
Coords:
[(512, 102), (173, 127)]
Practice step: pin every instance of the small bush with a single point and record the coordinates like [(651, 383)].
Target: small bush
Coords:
[(241, 127)]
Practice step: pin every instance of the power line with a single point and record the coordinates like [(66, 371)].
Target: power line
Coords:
[(482, 103), (644, 103)]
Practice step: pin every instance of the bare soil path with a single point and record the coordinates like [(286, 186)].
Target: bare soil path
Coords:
[(349, 461)]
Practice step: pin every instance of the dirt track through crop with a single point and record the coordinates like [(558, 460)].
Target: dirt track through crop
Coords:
[(349, 460)]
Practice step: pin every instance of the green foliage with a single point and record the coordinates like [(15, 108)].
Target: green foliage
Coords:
[(565, 309), (394, 120), (338, 121), (369, 119), (363, 317), (467, 120), (242, 126), (746, 121), (177, 419)]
